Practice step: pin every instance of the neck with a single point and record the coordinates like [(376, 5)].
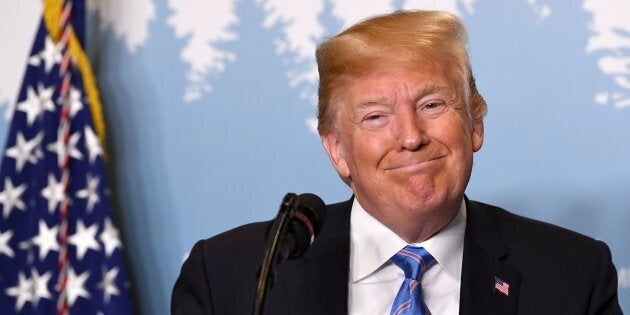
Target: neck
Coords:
[(419, 226)]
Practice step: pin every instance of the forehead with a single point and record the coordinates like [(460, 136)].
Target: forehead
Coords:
[(389, 81)]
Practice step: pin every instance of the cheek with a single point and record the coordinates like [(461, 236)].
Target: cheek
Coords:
[(371, 148), (457, 134)]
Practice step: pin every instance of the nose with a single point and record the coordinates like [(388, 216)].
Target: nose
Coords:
[(410, 128)]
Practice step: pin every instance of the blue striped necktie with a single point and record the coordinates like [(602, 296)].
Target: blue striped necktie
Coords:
[(414, 261)]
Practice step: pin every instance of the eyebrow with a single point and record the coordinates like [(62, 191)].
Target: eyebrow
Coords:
[(422, 92), (371, 101), (435, 88)]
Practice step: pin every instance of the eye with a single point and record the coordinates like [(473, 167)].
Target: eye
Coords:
[(374, 120), (433, 108), (373, 117), (433, 105)]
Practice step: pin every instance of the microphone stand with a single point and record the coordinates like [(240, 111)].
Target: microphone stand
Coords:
[(278, 230)]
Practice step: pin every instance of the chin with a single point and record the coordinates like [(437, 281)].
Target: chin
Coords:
[(428, 199), (421, 199)]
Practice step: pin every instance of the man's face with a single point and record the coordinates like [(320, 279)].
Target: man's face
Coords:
[(403, 140)]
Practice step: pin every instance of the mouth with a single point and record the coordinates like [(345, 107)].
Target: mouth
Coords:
[(414, 164)]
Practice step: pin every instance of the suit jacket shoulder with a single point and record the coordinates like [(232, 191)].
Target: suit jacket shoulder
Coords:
[(549, 269), (220, 271), (220, 274)]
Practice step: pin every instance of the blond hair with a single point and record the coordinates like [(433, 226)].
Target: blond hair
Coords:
[(436, 37)]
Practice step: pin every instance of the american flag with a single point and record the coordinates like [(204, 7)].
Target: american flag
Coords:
[(501, 286), (60, 253)]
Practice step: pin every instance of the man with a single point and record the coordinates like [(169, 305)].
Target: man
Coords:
[(400, 118)]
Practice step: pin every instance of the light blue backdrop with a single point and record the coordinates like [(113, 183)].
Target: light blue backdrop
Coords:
[(207, 107)]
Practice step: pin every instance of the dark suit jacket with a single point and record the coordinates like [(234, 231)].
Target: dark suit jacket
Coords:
[(550, 270)]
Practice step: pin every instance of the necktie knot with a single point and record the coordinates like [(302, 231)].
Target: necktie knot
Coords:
[(414, 261)]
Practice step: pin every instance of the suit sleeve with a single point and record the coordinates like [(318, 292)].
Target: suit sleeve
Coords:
[(191, 293), (604, 300)]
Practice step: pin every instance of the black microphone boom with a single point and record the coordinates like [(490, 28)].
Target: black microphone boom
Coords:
[(293, 230)]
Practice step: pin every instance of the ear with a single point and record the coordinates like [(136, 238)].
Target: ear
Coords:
[(333, 147), (477, 134)]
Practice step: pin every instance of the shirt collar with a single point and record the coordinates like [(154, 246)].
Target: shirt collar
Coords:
[(372, 244)]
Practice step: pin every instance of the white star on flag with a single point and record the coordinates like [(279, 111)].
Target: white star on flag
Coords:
[(51, 55), (84, 239), (10, 197), (108, 284), (40, 286), (75, 286), (76, 101), (55, 191), (109, 237), (61, 149), (25, 151), (92, 144), (22, 291), (4, 243), (46, 240), (35, 104), (90, 192)]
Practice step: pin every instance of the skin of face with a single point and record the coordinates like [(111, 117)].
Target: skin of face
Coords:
[(404, 142)]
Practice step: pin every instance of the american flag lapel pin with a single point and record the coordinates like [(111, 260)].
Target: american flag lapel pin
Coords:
[(501, 286)]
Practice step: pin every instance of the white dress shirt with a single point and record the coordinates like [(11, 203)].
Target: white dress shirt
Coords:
[(374, 281)]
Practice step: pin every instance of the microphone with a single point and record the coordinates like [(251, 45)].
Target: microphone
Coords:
[(292, 232), (304, 226)]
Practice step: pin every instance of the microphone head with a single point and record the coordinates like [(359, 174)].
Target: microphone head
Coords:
[(309, 217), (314, 208)]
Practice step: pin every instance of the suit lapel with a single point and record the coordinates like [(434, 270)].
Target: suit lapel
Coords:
[(484, 252), (317, 283)]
